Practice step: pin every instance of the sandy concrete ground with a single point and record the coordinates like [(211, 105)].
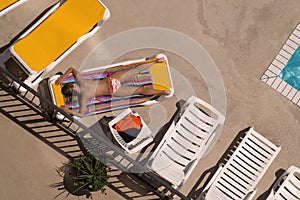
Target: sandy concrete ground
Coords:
[(242, 37)]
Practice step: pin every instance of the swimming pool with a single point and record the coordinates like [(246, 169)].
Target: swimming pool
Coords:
[(283, 73), (291, 72)]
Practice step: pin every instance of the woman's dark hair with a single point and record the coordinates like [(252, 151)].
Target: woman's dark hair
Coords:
[(68, 89)]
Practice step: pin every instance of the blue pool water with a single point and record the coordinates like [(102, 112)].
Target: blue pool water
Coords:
[(291, 72)]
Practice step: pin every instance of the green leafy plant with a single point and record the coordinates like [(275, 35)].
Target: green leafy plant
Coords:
[(90, 173)]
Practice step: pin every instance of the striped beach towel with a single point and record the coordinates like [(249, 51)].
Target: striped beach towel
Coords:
[(105, 103)]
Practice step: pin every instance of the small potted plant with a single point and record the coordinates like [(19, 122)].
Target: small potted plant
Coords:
[(86, 174)]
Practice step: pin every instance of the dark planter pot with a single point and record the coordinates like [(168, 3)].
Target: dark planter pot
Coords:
[(69, 179)]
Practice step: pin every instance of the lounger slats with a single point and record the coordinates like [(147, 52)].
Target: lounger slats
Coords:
[(194, 127), (184, 147), (168, 169), (264, 144), (201, 115), (289, 190), (179, 154), (287, 187), (244, 166), (257, 154), (174, 155), (241, 173), (240, 190), (186, 142), (193, 136), (249, 163), (198, 123), (236, 175), (187, 126), (252, 159)]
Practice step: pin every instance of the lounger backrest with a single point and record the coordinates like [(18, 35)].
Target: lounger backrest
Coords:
[(290, 187), (183, 146), (58, 32), (241, 173)]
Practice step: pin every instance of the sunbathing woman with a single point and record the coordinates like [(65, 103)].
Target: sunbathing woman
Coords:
[(111, 85)]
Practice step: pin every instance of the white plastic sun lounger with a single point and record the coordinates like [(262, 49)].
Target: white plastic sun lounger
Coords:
[(159, 76), (8, 5), (55, 35), (287, 186), (238, 178), (186, 141)]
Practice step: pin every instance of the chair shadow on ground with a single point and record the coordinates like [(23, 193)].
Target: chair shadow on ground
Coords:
[(34, 121), (175, 117), (27, 117), (195, 192), (264, 195), (65, 142), (131, 186), (134, 185)]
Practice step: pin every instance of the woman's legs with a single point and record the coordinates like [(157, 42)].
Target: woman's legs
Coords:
[(124, 75), (130, 90)]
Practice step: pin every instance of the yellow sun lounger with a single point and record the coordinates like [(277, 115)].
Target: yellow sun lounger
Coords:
[(64, 27), (158, 76), (8, 5)]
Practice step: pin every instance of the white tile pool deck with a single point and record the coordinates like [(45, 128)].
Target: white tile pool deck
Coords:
[(271, 75), (242, 37)]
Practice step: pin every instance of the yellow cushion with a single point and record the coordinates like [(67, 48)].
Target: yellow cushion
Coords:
[(160, 76), (58, 32), (5, 3), (58, 96)]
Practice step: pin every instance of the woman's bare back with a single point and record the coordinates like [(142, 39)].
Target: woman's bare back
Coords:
[(93, 88)]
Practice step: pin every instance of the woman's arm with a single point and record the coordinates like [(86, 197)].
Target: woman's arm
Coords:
[(71, 70), (82, 111), (71, 112)]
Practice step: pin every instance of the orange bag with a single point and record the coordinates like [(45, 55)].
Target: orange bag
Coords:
[(130, 121)]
